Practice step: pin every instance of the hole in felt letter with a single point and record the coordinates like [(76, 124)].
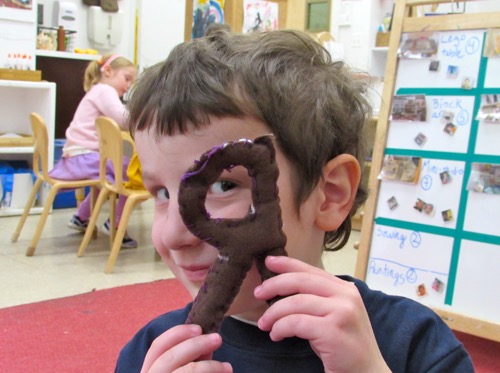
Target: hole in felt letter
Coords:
[(231, 196)]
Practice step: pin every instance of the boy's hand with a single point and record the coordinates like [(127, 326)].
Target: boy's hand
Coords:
[(323, 309), (184, 348)]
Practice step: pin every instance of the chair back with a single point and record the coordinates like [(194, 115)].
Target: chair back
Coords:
[(41, 146), (110, 149)]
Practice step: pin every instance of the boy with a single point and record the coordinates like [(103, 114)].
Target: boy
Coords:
[(225, 87)]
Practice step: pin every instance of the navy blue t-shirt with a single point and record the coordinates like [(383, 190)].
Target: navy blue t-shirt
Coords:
[(411, 337)]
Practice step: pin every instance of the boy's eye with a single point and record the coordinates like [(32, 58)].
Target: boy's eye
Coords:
[(222, 186), (162, 194)]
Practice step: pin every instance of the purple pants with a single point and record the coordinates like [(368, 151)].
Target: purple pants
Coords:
[(86, 166)]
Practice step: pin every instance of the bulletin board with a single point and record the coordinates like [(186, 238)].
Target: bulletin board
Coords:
[(431, 227)]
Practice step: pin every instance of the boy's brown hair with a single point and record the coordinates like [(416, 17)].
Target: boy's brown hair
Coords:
[(312, 105), (217, 27)]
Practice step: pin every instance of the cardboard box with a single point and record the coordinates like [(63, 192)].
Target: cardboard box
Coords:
[(382, 39), (26, 75)]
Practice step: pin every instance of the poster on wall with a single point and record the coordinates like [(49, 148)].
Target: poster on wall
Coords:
[(206, 12), (259, 16), (17, 10), (16, 4)]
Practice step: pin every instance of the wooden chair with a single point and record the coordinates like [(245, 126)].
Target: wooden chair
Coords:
[(111, 148), (41, 170)]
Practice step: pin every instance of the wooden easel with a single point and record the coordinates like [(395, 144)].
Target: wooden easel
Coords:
[(402, 22)]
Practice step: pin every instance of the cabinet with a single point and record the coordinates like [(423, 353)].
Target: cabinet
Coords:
[(17, 100), (57, 67)]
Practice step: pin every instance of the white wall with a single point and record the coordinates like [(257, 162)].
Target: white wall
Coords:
[(354, 24), (160, 28)]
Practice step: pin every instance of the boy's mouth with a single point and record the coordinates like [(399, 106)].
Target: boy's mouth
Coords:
[(195, 273)]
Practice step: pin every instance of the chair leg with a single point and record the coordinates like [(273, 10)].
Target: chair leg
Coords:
[(93, 199), (79, 196), (120, 233), (41, 223), (89, 232), (27, 208), (112, 219)]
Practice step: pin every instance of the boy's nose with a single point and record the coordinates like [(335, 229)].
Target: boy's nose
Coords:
[(172, 230)]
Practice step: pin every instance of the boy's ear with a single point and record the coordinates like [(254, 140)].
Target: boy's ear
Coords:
[(339, 185)]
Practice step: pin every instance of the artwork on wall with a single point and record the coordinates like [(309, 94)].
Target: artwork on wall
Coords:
[(206, 12), (490, 108), (405, 169), (409, 108), (484, 178), (418, 45), (260, 16), (492, 43), (17, 10), (16, 4)]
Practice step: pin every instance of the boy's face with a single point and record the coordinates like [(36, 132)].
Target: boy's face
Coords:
[(166, 159)]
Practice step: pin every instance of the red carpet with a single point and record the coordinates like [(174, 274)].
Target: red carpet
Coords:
[(484, 352), (84, 333)]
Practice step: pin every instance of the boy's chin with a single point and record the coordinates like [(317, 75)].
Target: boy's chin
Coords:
[(192, 288)]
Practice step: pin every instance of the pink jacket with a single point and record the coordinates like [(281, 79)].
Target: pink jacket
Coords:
[(81, 135)]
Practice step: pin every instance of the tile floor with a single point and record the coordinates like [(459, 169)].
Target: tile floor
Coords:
[(55, 271)]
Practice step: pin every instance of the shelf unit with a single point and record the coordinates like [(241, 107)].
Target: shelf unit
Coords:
[(378, 60), (377, 57), (69, 55), (18, 99)]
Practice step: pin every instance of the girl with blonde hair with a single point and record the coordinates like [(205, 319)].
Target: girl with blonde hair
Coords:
[(105, 81)]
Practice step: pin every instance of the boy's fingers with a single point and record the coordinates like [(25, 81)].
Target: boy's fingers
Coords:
[(301, 326), (316, 299), (178, 347), (282, 264), (293, 283), (295, 305), (190, 350), (167, 340), (208, 366), (296, 277)]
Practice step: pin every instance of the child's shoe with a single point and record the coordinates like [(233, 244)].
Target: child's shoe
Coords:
[(127, 242), (78, 224)]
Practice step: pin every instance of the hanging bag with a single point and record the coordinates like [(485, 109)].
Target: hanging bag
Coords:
[(109, 5), (92, 2)]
